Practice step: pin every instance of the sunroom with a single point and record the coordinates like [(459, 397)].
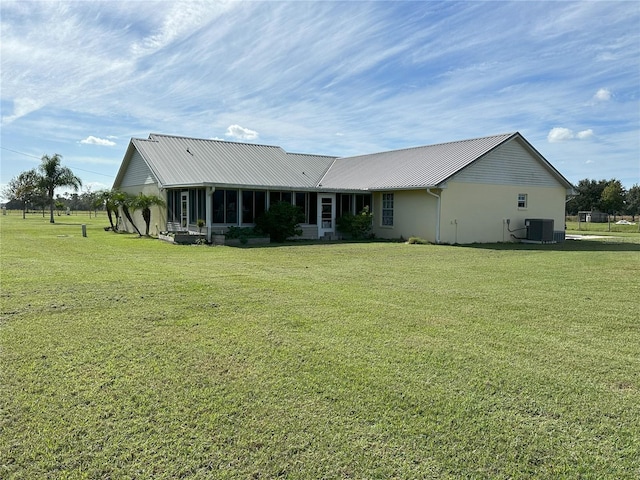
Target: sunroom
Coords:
[(222, 207)]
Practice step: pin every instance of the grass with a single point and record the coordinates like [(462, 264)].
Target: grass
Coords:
[(127, 357), (604, 228)]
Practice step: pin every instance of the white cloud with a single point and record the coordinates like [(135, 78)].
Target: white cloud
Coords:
[(91, 140), (561, 134), (584, 134), (602, 95), (236, 131)]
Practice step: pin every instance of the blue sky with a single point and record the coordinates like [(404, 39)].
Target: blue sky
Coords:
[(337, 78)]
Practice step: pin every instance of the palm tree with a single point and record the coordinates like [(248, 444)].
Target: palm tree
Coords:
[(125, 201), (54, 176), (106, 198), (144, 203)]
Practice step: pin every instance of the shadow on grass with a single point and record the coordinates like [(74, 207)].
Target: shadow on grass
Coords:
[(599, 245)]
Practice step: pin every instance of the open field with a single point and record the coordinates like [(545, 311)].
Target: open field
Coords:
[(605, 228), (127, 357)]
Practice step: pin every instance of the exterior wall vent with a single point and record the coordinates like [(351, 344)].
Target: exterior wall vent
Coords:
[(539, 229)]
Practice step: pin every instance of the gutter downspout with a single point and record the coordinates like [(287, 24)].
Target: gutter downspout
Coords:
[(437, 215)]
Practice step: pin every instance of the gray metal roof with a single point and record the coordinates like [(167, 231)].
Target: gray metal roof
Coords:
[(409, 168), (182, 161), (192, 161)]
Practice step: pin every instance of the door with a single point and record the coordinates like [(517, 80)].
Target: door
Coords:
[(326, 214), (184, 210)]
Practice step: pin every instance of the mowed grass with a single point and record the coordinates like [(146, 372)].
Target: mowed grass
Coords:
[(127, 357)]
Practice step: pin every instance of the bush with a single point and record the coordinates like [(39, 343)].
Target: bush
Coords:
[(355, 226), (417, 241), (241, 232), (281, 221)]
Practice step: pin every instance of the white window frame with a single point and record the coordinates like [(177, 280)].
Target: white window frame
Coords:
[(523, 201), (387, 210)]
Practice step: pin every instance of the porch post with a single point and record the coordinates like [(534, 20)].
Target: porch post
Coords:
[(208, 210)]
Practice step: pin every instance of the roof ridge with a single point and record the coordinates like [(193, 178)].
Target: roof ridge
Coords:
[(507, 135), (216, 140), (311, 155)]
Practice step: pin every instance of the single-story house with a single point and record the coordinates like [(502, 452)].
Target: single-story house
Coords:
[(479, 190)]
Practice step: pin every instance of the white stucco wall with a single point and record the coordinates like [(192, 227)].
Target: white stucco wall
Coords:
[(473, 212), (158, 215), (415, 213)]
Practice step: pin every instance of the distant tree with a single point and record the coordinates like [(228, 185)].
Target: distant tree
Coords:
[(24, 188), (612, 197), (144, 203), (59, 206), (54, 175), (281, 221), (90, 201), (125, 202), (589, 196), (632, 202)]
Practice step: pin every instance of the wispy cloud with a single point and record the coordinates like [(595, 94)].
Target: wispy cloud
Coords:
[(384, 75)]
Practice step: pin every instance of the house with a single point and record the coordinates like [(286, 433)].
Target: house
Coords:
[(479, 190)]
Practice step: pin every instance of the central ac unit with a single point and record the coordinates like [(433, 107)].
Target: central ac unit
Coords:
[(539, 229)]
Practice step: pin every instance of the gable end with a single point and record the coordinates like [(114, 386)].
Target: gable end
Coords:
[(508, 164), (138, 172)]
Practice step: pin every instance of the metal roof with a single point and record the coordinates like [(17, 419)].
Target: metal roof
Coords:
[(411, 167), (192, 161), (182, 161)]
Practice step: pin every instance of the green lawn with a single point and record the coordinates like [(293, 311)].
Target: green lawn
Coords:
[(127, 357)]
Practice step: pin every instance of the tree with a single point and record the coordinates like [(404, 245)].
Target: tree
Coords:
[(107, 199), (632, 201), (55, 176), (589, 196), (144, 203), (24, 188), (281, 221), (125, 201), (612, 197)]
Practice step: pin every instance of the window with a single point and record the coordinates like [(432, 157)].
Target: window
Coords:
[(307, 203), (253, 204), (522, 200), (197, 201), (387, 209), (225, 206), (231, 204), (275, 197), (344, 204), (363, 200), (173, 206)]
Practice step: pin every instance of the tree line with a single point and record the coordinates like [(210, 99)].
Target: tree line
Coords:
[(36, 188), (606, 196)]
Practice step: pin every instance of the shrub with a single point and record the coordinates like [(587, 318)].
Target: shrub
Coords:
[(241, 232), (417, 241), (281, 221), (355, 226)]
